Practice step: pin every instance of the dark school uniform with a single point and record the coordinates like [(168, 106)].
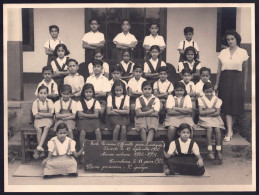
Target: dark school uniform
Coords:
[(184, 163), (149, 65), (56, 66), (128, 71)]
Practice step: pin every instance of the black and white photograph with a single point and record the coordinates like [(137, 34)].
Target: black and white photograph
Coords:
[(120, 97)]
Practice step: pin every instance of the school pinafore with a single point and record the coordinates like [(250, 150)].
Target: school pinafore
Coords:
[(60, 79), (88, 124), (175, 121), (211, 121), (182, 55), (195, 79), (166, 90), (43, 122), (185, 164), (70, 123), (118, 120), (153, 80), (147, 122), (60, 164), (126, 72)]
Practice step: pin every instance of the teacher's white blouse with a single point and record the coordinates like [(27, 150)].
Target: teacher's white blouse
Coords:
[(235, 61)]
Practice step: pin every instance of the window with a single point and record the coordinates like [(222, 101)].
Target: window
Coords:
[(27, 29), (140, 18), (226, 18)]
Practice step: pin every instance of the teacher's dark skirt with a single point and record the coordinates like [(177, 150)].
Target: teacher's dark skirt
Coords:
[(185, 165), (231, 92)]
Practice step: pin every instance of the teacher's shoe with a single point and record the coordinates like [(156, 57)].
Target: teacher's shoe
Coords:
[(228, 138)]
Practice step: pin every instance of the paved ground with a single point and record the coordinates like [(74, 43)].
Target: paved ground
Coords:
[(234, 171)]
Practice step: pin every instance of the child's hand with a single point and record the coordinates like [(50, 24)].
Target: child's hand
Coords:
[(200, 163)]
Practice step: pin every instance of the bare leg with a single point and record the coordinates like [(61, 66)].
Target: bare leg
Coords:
[(123, 133), (209, 134), (218, 136), (143, 134), (171, 133), (116, 132), (98, 134), (44, 135), (82, 138), (229, 120), (150, 135), (70, 134), (39, 132)]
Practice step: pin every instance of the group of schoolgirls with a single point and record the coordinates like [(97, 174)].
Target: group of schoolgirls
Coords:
[(126, 97)]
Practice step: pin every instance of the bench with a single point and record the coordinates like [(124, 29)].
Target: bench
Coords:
[(28, 131)]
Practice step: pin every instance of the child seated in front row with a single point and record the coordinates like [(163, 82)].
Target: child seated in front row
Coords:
[(88, 113), (59, 65), (184, 155), (126, 65), (179, 109), (60, 160), (75, 80), (153, 39), (47, 73), (101, 86), (147, 108), (152, 65), (65, 110), (190, 61), (134, 88), (204, 77), (116, 76), (118, 110), (98, 55), (162, 88), (209, 117), (42, 110), (190, 88)]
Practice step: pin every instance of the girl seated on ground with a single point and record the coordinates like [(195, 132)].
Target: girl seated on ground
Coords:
[(60, 160), (183, 154)]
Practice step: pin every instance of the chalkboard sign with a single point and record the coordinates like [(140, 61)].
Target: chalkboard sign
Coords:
[(124, 157)]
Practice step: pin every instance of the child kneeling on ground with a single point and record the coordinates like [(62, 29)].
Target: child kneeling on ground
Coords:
[(183, 154), (60, 160)]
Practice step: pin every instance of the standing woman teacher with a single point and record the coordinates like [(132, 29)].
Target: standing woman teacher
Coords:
[(231, 79)]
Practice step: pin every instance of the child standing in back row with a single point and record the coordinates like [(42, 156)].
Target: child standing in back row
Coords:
[(118, 110), (124, 40), (51, 44), (147, 108), (188, 33), (153, 39)]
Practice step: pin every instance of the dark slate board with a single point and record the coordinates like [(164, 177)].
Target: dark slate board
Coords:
[(124, 157)]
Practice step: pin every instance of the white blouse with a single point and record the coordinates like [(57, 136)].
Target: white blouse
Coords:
[(235, 61)]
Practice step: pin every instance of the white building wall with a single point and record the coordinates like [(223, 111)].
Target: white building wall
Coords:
[(72, 28), (243, 25)]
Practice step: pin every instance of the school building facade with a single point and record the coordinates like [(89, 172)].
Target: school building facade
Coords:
[(27, 31)]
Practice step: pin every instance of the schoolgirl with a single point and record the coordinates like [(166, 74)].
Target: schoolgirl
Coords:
[(118, 110), (183, 154), (147, 108), (209, 117), (152, 65), (42, 110), (179, 109), (59, 65), (190, 61), (126, 65), (88, 113), (65, 110), (60, 160)]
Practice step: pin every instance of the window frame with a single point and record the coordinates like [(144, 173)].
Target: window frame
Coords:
[(28, 46)]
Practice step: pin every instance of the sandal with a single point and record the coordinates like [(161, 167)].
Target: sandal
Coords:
[(228, 138), (36, 154)]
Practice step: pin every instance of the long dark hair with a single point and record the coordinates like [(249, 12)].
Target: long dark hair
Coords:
[(85, 87), (179, 85), (234, 33), (118, 83), (64, 47)]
